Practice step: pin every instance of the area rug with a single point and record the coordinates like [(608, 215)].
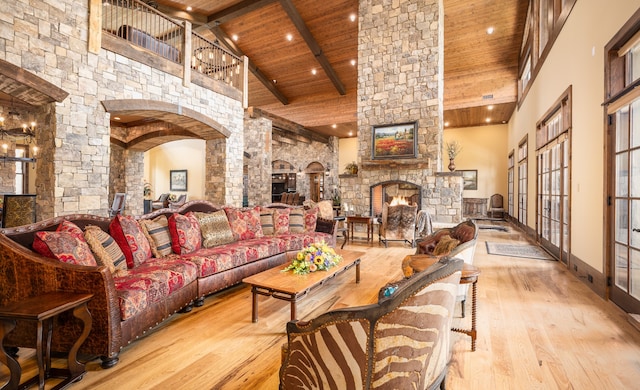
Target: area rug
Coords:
[(520, 250), (493, 227)]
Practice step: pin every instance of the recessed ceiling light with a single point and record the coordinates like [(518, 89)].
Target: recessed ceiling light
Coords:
[(313, 72), (488, 120), (352, 17), (350, 133), (189, 8), (334, 125), (490, 107), (353, 62), (117, 118), (275, 81), (446, 124), (289, 37), (234, 37), (490, 30)]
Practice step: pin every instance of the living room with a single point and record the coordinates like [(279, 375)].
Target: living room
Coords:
[(84, 158)]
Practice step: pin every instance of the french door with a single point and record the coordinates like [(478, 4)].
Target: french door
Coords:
[(625, 289), (553, 197)]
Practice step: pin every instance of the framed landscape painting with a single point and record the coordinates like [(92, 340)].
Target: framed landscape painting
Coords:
[(470, 179), (394, 141), (178, 180)]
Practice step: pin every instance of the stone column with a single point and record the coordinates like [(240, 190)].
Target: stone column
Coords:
[(257, 140)]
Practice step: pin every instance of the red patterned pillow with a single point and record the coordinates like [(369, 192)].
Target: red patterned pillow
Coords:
[(64, 246), (185, 233), (281, 221), (245, 224), (310, 218), (70, 227), (130, 238)]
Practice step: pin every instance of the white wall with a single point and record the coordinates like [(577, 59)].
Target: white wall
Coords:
[(348, 148), (577, 60), (184, 154)]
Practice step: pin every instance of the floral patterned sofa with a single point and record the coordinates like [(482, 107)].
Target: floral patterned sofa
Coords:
[(143, 269)]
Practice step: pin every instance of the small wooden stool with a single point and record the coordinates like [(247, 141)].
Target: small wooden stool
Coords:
[(43, 309)]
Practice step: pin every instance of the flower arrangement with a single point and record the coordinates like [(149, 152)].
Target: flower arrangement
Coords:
[(315, 257), (453, 148)]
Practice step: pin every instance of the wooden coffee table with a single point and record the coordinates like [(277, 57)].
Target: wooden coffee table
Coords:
[(288, 286)]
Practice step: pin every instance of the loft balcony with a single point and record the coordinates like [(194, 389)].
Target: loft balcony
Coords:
[(137, 31)]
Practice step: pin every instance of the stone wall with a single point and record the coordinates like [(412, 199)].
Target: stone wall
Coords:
[(400, 78), (50, 41), (257, 140)]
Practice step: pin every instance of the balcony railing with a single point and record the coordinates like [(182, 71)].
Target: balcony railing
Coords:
[(145, 27)]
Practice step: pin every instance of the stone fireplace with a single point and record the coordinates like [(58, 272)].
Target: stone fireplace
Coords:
[(400, 82), (393, 190)]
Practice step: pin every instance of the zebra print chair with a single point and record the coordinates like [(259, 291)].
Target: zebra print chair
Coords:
[(401, 342)]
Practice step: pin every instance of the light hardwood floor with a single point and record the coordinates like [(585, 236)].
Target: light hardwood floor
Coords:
[(538, 328)]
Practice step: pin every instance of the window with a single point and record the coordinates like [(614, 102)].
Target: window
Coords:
[(633, 64), (523, 181), (510, 183)]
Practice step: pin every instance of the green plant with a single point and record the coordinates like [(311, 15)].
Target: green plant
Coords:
[(351, 168), (453, 148), (146, 190), (316, 257)]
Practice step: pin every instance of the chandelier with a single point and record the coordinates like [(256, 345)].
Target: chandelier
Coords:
[(27, 132)]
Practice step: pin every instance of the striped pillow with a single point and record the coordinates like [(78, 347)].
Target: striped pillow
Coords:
[(157, 232), (296, 221), (105, 249), (266, 220)]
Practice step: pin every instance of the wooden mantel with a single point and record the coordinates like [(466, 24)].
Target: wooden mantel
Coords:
[(413, 163)]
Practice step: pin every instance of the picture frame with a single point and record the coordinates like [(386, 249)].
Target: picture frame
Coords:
[(469, 179), (178, 180), (394, 141)]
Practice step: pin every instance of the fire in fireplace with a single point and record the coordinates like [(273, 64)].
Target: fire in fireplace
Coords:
[(383, 192)]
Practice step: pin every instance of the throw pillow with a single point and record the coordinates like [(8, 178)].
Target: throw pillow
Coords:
[(64, 246), (245, 224), (296, 221), (310, 218), (281, 220), (157, 232), (445, 245), (214, 228), (129, 236), (185, 233), (105, 249), (325, 225), (70, 227), (266, 221)]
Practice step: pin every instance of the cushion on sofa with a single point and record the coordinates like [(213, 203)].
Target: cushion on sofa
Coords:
[(105, 249), (245, 223), (463, 232), (129, 236), (445, 245), (70, 227), (266, 221), (157, 232), (296, 221), (281, 220), (185, 233), (214, 228), (325, 225), (310, 218), (64, 246)]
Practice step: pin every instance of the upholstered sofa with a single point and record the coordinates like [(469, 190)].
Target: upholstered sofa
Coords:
[(142, 270), (458, 241), (400, 342)]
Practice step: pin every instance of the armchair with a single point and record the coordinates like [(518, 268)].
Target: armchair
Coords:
[(118, 204), (161, 203), (398, 223), (459, 242), (400, 342), (182, 199)]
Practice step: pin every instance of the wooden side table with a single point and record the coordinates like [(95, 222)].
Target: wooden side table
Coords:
[(43, 309), (359, 219), (470, 275)]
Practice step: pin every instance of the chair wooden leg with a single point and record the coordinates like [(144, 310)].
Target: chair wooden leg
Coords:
[(462, 307)]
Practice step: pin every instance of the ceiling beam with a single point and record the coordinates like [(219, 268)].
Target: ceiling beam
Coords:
[(288, 128), (227, 42), (237, 10), (315, 48)]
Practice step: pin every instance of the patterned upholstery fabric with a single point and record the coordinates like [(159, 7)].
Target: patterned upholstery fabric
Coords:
[(281, 221), (105, 249), (215, 228), (157, 233), (151, 282), (266, 221), (245, 224), (129, 236), (185, 233), (297, 241), (296, 221), (325, 209), (310, 218), (70, 227), (445, 245), (64, 246), (18, 210), (399, 222)]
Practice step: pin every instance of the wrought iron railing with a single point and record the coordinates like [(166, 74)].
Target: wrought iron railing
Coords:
[(143, 26)]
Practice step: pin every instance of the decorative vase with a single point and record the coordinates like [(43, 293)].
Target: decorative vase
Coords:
[(452, 165)]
